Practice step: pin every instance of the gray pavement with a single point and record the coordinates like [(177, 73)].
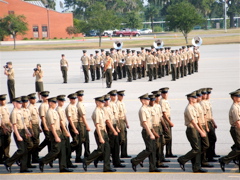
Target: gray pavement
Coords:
[(219, 69)]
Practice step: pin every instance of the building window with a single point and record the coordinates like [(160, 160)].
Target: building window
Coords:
[(35, 31), (10, 12), (44, 31)]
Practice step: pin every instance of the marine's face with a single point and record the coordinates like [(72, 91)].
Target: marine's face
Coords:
[(3, 103)]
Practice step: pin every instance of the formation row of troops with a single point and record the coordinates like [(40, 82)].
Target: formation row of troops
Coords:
[(109, 118), (118, 64), (25, 118), (155, 63)]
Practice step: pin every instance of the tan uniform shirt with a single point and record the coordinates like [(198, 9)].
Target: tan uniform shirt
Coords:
[(149, 59), (165, 107), (128, 60), (91, 61), (143, 54), (108, 64), (43, 108), (121, 110), (134, 59), (108, 114), (115, 112), (85, 60), (120, 57), (71, 111), (16, 117), (26, 116), (200, 113), (63, 62), (173, 59), (139, 60), (52, 118), (156, 112), (145, 116), (34, 113), (10, 72), (206, 109), (98, 59), (62, 115), (196, 55), (190, 114), (98, 117), (103, 56), (190, 56), (81, 111), (4, 114), (234, 114), (114, 57), (167, 56), (38, 78)]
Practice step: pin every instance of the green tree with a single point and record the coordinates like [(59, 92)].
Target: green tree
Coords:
[(118, 6), (133, 20), (100, 19), (14, 25), (233, 9), (48, 3), (184, 17), (151, 11)]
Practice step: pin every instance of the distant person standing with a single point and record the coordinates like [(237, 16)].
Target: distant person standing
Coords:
[(38, 73), (64, 68), (85, 65), (92, 67), (9, 72)]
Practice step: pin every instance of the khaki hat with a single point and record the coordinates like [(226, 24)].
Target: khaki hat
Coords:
[(80, 93), (121, 93), (145, 96), (17, 99), (113, 93), (52, 99), (106, 97), (32, 96), (72, 96), (192, 94), (61, 97), (235, 93), (100, 99), (152, 97), (157, 93), (209, 90), (164, 90), (203, 90), (24, 99), (199, 93), (44, 93), (3, 97)]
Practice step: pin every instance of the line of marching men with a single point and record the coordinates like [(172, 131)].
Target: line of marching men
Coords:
[(134, 65), (24, 121), (110, 122)]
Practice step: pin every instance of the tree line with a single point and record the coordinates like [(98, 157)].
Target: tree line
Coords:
[(102, 15)]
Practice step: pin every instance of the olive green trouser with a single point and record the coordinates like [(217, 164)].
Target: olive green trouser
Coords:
[(160, 142), (64, 73), (58, 150), (21, 153), (235, 133), (123, 138), (149, 152), (102, 150), (195, 153), (5, 141)]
